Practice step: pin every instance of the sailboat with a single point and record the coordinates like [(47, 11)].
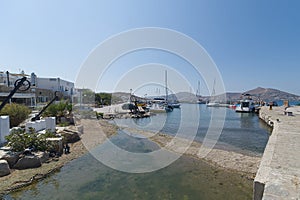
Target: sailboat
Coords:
[(213, 103), (168, 107), (198, 95)]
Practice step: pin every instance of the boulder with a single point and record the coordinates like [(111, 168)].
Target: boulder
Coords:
[(28, 161), (4, 168), (10, 157), (56, 145), (70, 136), (80, 129), (42, 155)]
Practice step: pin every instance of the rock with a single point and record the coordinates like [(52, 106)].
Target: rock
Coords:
[(80, 129), (10, 157), (56, 145), (29, 161), (43, 156), (70, 136), (4, 168)]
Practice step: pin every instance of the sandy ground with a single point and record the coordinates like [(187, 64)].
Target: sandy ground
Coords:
[(97, 131), (221, 158)]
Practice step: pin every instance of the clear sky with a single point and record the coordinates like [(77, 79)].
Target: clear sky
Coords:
[(253, 43)]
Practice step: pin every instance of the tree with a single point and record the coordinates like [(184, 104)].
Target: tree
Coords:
[(103, 99), (17, 113), (59, 110)]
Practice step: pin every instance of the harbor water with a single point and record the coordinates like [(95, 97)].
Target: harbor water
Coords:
[(186, 178), (242, 132)]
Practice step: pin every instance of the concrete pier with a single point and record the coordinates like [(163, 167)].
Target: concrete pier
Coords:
[(278, 176)]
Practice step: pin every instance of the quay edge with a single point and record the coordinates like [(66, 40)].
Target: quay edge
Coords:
[(278, 176)]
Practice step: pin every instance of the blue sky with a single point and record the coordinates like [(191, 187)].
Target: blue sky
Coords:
[(253, 43)]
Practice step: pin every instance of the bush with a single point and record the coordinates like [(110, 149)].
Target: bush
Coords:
[(17, 113), (59, 110), (18, 140)]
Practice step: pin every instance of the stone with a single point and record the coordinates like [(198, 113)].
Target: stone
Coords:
[(70, 136), (29, 161), (4, 168), (56, 144), (80, 129), (44, 156), (10, 157)]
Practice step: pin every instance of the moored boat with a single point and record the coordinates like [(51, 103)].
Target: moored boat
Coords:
[(213, 104), (174, 105), (246, 104)]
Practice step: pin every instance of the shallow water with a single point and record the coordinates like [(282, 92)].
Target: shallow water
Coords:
[(242, 132), (186, 178)]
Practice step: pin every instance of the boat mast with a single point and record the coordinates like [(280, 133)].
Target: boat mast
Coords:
[(213, 90), (198, 90), (166, 84)]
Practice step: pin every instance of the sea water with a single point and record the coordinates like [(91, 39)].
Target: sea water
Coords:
[(186, 178)]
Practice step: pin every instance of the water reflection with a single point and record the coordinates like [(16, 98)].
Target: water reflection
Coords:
[(247, 120)]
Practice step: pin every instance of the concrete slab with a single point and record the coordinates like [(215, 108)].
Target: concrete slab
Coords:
[(278, 176)]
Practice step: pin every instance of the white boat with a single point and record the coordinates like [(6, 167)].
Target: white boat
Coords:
[(174, 105), (156, 108), (246, 104), (160, 104), (213, 104), (168, 107), (198, 95)]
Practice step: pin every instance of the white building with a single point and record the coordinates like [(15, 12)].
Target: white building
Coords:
[(56, 84), (11, 78), (41, 90)]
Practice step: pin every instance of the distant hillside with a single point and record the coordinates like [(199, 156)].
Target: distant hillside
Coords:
[(265, 94), (273, 94), (186, 97)]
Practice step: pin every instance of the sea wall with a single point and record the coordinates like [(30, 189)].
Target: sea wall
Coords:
[(278, 176)]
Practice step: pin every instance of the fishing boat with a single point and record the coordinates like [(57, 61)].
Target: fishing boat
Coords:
[(246, 104)]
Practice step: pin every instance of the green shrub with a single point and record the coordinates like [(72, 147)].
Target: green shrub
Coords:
[(17, 113), (59, 110), (18, 140)]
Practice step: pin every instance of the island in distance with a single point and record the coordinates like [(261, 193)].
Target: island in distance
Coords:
[(265, 94)]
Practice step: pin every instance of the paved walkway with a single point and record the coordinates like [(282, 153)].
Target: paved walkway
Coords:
[(278, 176)]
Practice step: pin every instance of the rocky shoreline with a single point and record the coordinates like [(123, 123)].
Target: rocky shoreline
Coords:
[(97, 131), (18, 179)]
